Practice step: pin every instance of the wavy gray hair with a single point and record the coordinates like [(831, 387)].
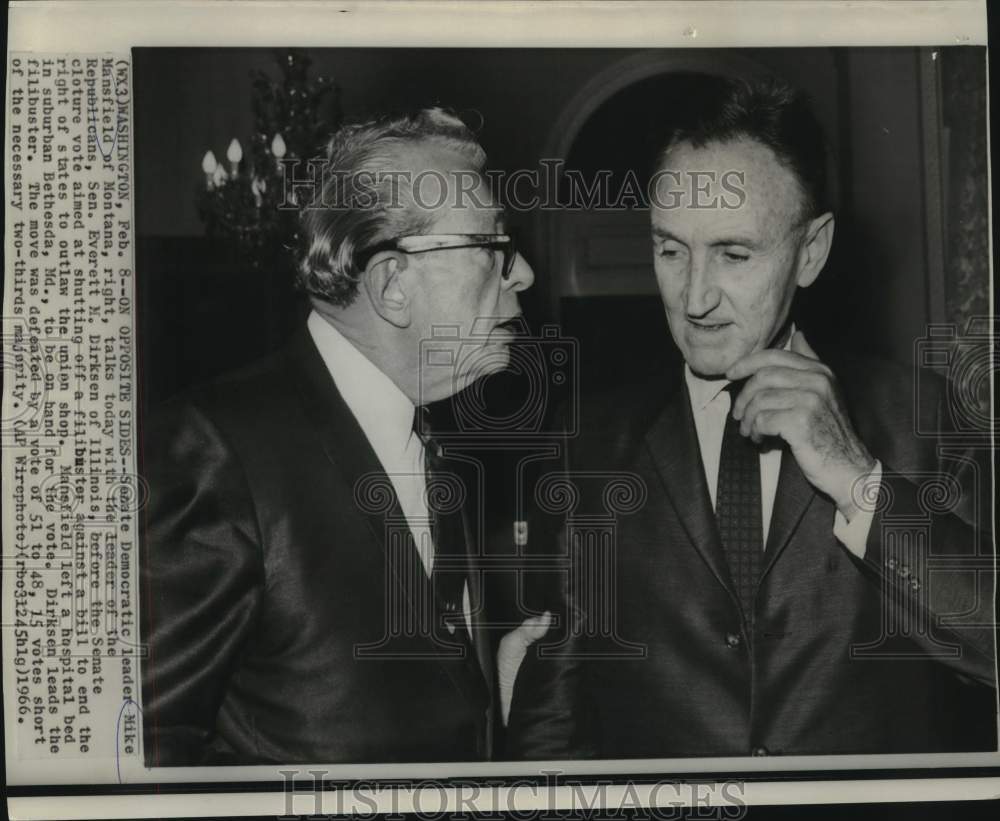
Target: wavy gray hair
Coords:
[(359, 204)]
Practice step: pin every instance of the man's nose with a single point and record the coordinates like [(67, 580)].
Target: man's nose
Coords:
[(521, 276), (702, 293)]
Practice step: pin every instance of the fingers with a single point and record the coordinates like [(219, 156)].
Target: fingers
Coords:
[(783, 422), (510, 655), (513, 645), (766, 400), (532, 629), (800, 357), (771, 378)]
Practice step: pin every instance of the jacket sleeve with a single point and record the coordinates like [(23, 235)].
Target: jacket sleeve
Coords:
[(931, 546), (202, 581)]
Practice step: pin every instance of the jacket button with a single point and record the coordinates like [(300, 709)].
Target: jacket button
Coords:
[(732, 640), (759, 751)]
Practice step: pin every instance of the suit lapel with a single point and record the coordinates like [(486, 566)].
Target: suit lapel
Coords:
[(673, 445), (347, 447), (342, 438), (474, 577), (793, 495), (480, 636), (481, 643)]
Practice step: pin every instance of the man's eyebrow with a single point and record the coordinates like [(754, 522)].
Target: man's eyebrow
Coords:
[(722, 242), (746, 242)]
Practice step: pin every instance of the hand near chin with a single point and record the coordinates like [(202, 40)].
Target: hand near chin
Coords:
[(792, 395)]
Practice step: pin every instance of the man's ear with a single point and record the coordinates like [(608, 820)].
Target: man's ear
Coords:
[(815, 248), (383, 283)]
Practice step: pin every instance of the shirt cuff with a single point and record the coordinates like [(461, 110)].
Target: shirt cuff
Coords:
[(853, 534)]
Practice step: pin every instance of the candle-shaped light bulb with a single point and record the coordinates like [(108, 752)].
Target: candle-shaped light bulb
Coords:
[(208, 165), (219, 176), (278, 147), (234, 154)]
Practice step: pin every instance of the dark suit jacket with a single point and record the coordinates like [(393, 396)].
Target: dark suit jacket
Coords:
[(275, 562), (891, 654)]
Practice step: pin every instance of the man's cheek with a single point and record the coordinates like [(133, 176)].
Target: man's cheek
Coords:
[(672, 296), (750, 299), (665, 283)]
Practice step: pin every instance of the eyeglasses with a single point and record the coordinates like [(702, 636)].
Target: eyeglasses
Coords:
[(422, 243)]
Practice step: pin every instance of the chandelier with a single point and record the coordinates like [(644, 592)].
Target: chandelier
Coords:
[(242, 199)]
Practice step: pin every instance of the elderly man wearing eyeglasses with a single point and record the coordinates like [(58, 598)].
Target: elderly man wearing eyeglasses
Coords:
[(308, 560)]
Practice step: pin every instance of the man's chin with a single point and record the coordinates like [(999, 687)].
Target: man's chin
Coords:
[(490, 359), (709, 365)]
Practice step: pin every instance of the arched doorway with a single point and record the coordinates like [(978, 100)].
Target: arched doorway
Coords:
[(597, 256)]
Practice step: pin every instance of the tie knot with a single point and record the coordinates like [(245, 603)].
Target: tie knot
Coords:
[(422, 422), (734, 388), (424, 429)]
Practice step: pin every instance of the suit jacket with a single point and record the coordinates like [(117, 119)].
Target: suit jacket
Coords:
[(890, 654), (284, 592)]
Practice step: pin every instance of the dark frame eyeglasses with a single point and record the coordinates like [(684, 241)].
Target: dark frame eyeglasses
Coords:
[(422, 243)]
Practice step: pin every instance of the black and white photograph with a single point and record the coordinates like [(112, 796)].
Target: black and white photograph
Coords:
[(564, 404), (500, 407)]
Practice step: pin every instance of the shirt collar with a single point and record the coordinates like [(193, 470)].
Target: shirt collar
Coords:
[(704, 391), (384, 412)]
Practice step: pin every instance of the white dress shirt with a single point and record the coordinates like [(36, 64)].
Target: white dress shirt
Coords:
[(385, 414), (710, 405)]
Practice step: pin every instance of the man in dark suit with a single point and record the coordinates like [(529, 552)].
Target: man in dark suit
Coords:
[(306, 598), (796, 571)]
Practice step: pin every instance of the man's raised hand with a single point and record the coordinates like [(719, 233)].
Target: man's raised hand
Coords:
[(794, 396)]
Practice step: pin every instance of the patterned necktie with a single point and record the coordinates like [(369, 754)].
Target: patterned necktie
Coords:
[(444, 495), (737, 508)]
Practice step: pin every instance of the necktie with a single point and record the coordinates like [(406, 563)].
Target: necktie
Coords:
[(444, 493), (738, 508), (445, 496)]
